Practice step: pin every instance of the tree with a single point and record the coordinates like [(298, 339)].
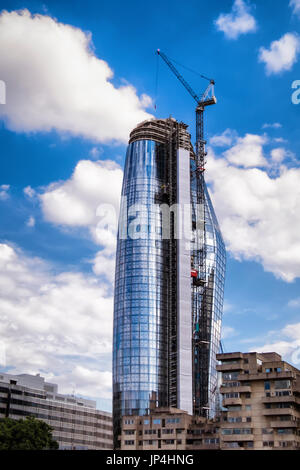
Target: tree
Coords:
[(26, 434)]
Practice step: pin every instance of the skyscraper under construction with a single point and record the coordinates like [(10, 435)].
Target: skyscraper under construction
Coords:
[(169, 281)]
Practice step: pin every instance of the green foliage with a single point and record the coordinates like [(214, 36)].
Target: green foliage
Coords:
[(25, 434)]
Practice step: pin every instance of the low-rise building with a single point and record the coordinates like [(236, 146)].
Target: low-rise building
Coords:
[(168, 429), (76, 422), (260, 411), (261, 402)]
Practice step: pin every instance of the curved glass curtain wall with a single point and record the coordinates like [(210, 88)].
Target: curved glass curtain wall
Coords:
[(140, 326), (215, 277), (215, 262)]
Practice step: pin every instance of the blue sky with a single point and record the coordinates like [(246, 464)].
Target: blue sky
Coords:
[(78, 79)]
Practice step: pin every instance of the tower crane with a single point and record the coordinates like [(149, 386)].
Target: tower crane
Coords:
[(206, 99), (201, 315)]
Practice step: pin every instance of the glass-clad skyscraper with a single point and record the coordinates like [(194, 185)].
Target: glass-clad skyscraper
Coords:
[(169, 281)]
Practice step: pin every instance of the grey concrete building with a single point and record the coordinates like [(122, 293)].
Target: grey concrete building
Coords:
[(261, 402), (76, 422)]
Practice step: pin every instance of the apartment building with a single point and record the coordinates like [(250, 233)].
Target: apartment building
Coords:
[(168, 429), (76, 422), (261, 402)]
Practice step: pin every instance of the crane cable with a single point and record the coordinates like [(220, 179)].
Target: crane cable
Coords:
[(156, 82)]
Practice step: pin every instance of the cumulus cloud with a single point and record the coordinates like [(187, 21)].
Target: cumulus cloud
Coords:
[(29, 192), (30, 221), (282, 54), (57, 324), (55, 81), (238, 22), (279, 154), (295, 5), (223, 140), (4, 188), (285, 342), (258, 212), (248, 151), (275, 125), (89, 199), (74, 202)]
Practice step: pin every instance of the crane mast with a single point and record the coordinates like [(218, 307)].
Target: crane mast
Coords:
[(201, 316), (206, 99)]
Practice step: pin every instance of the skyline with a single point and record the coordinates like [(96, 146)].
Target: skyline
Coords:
[(75, 86)]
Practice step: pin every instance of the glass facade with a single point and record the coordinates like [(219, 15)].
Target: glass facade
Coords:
[(140, 337), (207, 301), (145, 368)]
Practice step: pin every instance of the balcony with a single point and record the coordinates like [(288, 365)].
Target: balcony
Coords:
[(285, 399), (279, 412), (241, 389), (229, 356), (231, 401), (283, 424), (268, 376), (237, 437), (228, 367)]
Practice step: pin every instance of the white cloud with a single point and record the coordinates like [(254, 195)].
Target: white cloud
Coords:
[(30, 221), (275, 125), (295, 5), (29, 191), (95, 152), (282, 55), (74, 202), (55, 81), (228, 332), (248, 151), (294, 303), (89, 199), (238, 22), (285, 342), (258, 213), (278, 154), (57, 324), (4, 188), (223, 140)]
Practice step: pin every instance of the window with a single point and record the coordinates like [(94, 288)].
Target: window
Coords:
[(234, 407), (267, 386), (173, 420), (230, 375), (156, 421), (169, 441), (285, 431), (129, 443), (247, 407), (146, 421), (267, 431), (268, 370), (232, 395), (268, 443), (279, 384), (277, 369), (129, 421)]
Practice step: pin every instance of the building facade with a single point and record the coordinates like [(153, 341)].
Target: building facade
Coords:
[(261, 402), (261, 411), (169, 429), (76, 422), (169, 280)]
